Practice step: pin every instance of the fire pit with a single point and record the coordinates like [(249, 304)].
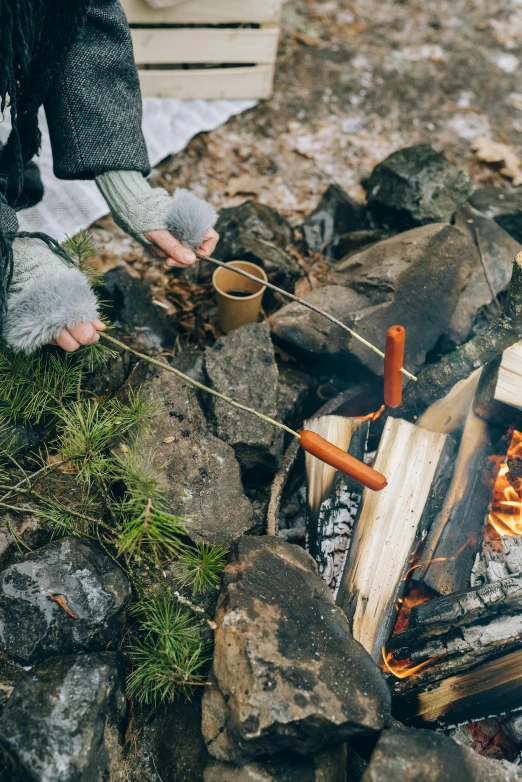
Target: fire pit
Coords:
[(429, 571)]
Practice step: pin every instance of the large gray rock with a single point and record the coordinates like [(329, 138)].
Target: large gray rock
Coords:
[(257, 233), (132, 309), (242, 366), (67, 597), (413, 279), (197, 471), (62, 723), (296, 395), (168, 740), (287, 673), (498, 250), (326, 766), (415, 186), (502, 205), (426, 756), (311, 337)]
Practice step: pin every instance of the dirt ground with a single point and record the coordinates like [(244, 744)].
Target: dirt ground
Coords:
[(356, 80)]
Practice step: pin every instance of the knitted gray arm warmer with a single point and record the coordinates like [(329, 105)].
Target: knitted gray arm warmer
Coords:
[(139, 208), (46, 295)]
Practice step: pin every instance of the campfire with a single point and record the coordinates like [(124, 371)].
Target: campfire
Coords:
[(429, 571)]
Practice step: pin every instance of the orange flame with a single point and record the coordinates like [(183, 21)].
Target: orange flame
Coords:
[(372, 416), (399, 669), (506, 510), (415, 597)]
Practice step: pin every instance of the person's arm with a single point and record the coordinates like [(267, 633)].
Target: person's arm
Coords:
[(94, 110), (43, 297), (94, 117)]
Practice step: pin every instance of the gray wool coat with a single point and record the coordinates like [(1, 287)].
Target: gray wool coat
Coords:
[(94, 111)]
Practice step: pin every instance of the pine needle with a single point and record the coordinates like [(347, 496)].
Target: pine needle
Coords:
[(171, 653), (201, 567)]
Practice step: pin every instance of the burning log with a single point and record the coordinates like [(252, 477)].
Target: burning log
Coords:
[(329, 523), (456, 533), (489, 689), (437, 379), (448, 635), (389, 528), (499, 393), (502, 551)]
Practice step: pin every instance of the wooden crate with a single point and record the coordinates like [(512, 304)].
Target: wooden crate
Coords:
[(244, 57)]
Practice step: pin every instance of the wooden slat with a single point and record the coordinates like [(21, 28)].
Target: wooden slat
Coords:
[(205, 12), (200, 45), (231, 83), (387, 529), (509, 382)]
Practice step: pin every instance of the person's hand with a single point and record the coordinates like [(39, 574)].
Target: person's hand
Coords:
[(164, 245), (81, 334)]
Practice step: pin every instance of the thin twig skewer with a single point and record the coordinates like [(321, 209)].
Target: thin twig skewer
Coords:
[(195, 383), (304, 303), (311, 442)]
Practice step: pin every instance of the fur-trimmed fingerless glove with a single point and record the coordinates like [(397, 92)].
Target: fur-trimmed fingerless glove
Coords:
[(46, 295), (139, 208)]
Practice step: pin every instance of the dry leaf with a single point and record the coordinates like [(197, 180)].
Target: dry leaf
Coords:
[(210, 329), (307, 40), (62, 602), (67, 467), (170, 439), (244, 184), (494, 152), (305, 285)]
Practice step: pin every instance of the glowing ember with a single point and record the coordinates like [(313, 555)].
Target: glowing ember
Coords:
[(400, 669), (506, 510)]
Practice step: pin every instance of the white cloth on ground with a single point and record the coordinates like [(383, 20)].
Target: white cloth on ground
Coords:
[(168, 126)]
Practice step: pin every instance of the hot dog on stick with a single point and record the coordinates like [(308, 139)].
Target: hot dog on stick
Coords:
[(393, 360)]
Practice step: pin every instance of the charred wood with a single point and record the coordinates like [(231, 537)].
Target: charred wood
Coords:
[(333, 499), (486, 690), (456, 632), (349, 434), (456, 533)]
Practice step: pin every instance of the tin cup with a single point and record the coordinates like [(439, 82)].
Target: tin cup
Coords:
[(238, 298)]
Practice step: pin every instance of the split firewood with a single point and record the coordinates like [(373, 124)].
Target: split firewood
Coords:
[(333, 499), (449, 635), (487, 690), (448, 415), (437, 379), (499, 393), (389, 528), (456, 533)]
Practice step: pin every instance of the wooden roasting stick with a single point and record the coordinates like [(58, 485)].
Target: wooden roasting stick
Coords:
[(310, 441), (304, 304)]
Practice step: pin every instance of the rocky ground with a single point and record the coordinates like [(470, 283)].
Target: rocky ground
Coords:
[(291, 696)]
